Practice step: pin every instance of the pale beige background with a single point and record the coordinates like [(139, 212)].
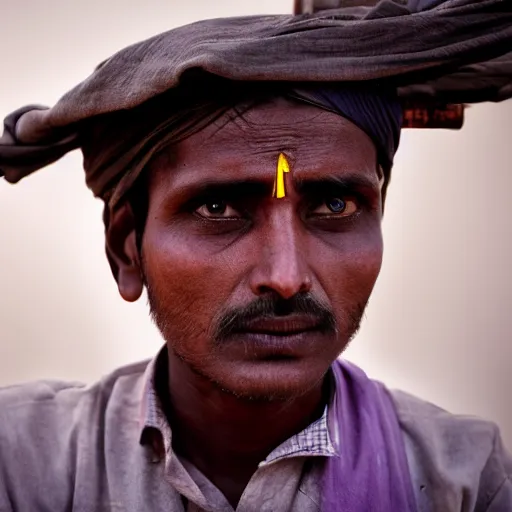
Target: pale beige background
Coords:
[(440, 320)]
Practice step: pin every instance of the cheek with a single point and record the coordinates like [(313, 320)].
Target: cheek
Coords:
[(348, 267), (188, 283)]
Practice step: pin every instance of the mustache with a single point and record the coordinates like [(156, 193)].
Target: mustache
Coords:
[(274, 306)]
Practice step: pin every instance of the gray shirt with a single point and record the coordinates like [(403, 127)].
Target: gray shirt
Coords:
[(107, 447)]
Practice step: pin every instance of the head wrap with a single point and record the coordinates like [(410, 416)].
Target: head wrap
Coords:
[(433, 50)]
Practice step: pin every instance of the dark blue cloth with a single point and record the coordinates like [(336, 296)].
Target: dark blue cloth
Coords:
[(378, 113)]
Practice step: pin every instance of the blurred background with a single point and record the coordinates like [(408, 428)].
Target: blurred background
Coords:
[(439, 323)]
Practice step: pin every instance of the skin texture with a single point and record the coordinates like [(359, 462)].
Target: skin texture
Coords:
[(256, 299)]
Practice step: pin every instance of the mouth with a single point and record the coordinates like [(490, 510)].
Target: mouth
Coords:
[(290, 325), (279, 339)]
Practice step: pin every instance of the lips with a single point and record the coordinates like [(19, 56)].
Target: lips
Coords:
[(289, 325), (277, 338)]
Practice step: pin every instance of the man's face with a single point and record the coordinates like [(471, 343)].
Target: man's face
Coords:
[(255, 293)]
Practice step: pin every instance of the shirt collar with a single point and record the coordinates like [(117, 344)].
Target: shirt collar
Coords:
[(151, 407)]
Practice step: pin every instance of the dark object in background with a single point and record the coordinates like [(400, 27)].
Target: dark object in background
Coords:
[(433, 116)]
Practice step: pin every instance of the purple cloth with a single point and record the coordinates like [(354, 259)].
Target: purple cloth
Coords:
[(371, 473)]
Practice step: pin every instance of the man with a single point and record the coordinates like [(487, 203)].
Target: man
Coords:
[(243, 164)]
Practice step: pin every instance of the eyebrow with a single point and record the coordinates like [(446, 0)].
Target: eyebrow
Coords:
[(346, 183), (227, 189), (233, 189)]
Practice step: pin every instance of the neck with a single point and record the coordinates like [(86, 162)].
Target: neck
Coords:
[(221, 433)]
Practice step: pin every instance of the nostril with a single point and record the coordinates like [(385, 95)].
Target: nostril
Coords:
[(284, 288), (266, 290)]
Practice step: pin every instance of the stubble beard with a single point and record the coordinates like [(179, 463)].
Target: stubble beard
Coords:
[(162, 319)]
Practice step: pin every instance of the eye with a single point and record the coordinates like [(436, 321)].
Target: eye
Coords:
[(215, 209), (336, 207)]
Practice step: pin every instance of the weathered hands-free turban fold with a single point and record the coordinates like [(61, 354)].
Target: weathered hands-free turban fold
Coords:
[(431, 51)]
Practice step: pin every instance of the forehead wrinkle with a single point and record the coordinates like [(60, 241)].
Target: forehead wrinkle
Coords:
[(330, 144), (251, 121), (238, 135), (260, 165), (268, 141)]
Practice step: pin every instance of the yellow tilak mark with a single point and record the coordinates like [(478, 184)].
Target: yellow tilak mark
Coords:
[(282, 167)]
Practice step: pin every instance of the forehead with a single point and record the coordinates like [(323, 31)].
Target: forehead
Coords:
[(244, 144)]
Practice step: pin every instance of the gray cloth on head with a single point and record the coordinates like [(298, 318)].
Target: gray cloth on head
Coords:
[(451, 50)]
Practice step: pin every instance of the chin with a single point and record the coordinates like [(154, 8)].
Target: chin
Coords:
[(273, 380)]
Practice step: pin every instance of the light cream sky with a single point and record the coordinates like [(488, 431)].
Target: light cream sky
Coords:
[(439, 324)]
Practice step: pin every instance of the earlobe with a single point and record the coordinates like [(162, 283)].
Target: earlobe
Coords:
[(129, 283), (122, 252)]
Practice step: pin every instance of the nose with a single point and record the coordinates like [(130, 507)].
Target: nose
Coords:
[(282, 268)]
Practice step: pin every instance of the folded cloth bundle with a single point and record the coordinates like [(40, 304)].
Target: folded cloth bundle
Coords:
[(441, 51)]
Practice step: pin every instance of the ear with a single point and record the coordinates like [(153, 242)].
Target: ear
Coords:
[(122, 252)]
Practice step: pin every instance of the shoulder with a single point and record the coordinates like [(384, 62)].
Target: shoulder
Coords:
[(457, 462), (49, 431), (22, 402)]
